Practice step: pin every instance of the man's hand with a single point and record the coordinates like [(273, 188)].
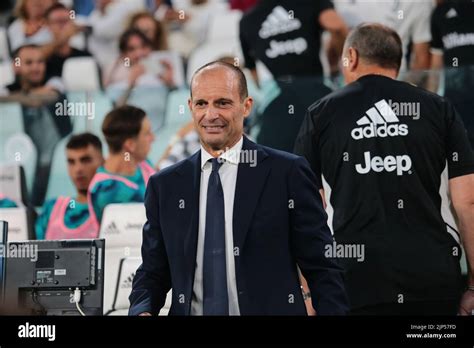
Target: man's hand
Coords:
[(466, 307), (145, 314)]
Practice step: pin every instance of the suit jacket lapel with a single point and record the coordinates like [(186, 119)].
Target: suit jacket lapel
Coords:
[(251, 179)]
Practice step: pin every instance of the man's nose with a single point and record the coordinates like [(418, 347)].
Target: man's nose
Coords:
[(211, 113)]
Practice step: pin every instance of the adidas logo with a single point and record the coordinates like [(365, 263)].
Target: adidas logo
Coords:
[(112, 229), (451, 13), (376, 121), (278, 22)]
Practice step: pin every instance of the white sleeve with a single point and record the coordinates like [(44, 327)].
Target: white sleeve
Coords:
[(421, 29), (114, 22), (57, 84), (4, 92)]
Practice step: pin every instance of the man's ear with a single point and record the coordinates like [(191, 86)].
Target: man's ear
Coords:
[(129, 145), (190, 104), (248, 103), (353, 56)]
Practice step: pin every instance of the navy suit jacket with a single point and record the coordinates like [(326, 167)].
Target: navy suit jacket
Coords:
[(279, 223)]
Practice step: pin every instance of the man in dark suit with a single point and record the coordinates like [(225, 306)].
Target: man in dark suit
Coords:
[(228, 226)]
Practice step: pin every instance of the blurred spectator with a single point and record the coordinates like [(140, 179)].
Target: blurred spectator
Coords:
[(184, 144), (108, 21), (69, 217), (126, 170), (128, 70), (38, 98), (152, 28), (242, 5), (194, 17), (452, 28), (409, 19), (62, 28), (285, 36), (29, 27)]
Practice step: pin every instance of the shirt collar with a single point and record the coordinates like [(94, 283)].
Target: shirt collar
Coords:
[(231, 155)]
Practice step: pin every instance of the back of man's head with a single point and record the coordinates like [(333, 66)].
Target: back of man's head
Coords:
[(120, 124), (372, 46)]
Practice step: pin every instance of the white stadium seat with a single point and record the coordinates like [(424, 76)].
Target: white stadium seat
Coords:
[(59, 182), (81, 74), (11, 119), (4, 55), (224, 26), (177, 115), (17, 219), (7, 75), (121, 227), (18, 149), (210, 51)]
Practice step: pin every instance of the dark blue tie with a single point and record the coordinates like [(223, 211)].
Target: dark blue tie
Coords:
[(216, 301)]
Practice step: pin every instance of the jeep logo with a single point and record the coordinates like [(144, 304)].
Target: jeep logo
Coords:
[(400, 164)]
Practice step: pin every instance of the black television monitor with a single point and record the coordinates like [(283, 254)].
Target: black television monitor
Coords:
[(55, 277)]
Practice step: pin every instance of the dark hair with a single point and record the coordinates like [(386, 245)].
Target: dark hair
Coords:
[(160, 41), (82, 140), (377, 44), (54, 7), (16, 52), (243, 91), (127, 34), (121, 124)]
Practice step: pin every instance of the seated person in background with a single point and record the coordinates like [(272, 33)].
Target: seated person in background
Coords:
[(6, 202), (153, 29), (67, 217), (125, 173), (108, 20), (31, 88), (62, 28), (182, 145), (40, 116), (129, 69), (29, 27)]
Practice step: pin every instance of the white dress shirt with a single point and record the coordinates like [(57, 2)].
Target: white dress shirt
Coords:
[(228, 176)]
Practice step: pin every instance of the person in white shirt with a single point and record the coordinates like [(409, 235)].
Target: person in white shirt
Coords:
[(410, 19), (108, 20), (29, 27)]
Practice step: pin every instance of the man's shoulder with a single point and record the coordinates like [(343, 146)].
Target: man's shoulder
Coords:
[(281, 160), (179, 167)]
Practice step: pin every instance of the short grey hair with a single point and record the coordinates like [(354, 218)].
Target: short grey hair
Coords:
[(376, 44)]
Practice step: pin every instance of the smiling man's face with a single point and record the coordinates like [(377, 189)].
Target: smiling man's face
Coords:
[(217, 108)]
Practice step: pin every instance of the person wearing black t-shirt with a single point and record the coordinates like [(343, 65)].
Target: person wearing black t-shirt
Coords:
[(285, 36), (382, 149), (62, 28), (452, 47)]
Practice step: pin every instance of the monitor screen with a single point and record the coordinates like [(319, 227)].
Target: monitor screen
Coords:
[(55, 277)]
